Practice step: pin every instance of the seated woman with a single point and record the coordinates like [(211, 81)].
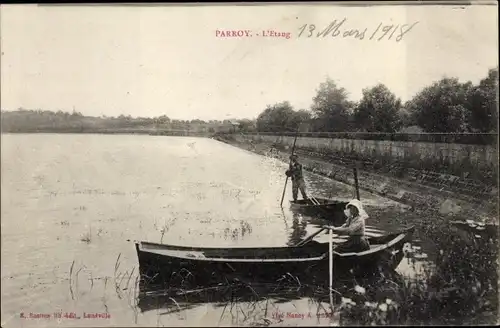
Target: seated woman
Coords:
[(354, 227)]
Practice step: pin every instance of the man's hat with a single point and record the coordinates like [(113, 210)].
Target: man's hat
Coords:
[(293, 156)]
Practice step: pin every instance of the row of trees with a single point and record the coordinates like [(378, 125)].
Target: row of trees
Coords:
[(446, 106), (24, 120)]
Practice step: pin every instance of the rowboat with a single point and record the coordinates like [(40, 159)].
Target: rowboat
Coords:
[(324, 208), (328, 209), (201, 266)]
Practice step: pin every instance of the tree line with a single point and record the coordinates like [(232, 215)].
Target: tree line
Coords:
[(446, 106), (29, 120)]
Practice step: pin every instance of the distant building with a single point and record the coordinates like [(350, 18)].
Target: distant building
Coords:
[(235, 125)]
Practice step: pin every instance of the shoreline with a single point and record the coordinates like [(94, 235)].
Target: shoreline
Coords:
[(420, 198), (150, 132)]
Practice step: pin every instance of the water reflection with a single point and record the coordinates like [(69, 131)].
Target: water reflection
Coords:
[(270, 303), (298, 229)]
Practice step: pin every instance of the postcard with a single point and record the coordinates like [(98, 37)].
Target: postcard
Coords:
[(249, 164)]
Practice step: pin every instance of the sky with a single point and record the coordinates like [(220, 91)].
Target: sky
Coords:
[(167, 60)]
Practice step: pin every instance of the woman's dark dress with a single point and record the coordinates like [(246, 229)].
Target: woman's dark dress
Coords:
[(357, 242)]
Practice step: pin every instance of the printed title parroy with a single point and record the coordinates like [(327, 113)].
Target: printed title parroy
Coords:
[(269, 33)]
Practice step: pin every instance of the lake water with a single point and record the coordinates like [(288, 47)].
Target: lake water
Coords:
[(72, 205)]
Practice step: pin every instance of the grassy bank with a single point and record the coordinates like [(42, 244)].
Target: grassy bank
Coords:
[(420, 196), (460, 167), (459, 286)]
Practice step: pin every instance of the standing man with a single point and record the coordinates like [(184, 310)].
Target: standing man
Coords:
[(295, 173)]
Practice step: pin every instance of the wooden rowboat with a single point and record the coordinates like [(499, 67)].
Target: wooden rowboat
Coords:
[(327, 209), (201, 266)]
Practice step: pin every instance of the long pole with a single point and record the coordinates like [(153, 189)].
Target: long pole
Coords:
[(290, 163), (331, 270), (355, 169)]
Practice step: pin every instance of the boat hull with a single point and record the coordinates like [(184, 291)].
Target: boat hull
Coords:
[(327, 209), (191, 273), (309, 263)]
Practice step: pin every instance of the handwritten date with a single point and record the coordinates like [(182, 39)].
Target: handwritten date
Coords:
[(338, 29)]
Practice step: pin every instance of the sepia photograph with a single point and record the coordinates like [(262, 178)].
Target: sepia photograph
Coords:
[(249, 164)]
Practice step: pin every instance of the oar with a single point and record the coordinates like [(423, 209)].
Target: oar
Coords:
[(356, 185), (290, 163), (310, 237), (331, 268), (301, 243)]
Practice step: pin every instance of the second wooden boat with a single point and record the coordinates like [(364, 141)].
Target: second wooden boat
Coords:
[(327, 209)]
